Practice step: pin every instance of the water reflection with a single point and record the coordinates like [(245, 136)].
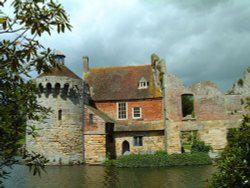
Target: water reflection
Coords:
[(99, 176)]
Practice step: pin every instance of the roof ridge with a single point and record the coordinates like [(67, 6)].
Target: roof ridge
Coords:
[(119, 67), (60, 70)]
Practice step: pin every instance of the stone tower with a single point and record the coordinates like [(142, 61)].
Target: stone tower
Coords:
[(59, 136)]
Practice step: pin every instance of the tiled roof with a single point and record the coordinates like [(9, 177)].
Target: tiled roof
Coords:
[(60, 70), (121, 83)]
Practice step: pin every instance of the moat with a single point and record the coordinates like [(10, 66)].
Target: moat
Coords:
[(103, 177)]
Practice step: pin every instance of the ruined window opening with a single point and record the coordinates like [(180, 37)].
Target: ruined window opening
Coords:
[(137, 113), (187, 101), (143, 83), (138, 140), (122, 110), (187, 139), (91, 119), (59, 114)]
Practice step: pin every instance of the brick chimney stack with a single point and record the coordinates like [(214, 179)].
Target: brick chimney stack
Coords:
[(85, 63)]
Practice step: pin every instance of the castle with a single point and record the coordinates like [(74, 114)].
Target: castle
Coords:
[(130, 109)]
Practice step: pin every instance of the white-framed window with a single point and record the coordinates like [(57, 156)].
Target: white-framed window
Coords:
[(122, 112), (137, 112), (138, 140), (143, 83)]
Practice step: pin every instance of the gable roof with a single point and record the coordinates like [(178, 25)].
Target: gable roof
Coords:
[(121, 83), (60, 70)]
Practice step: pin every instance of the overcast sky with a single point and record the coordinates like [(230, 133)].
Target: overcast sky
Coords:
[(199, 39)]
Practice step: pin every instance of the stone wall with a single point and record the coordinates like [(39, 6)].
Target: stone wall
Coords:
[(59, 139), (213, 133), (214, 111), (95, 148), (152, 141), (94, 138)]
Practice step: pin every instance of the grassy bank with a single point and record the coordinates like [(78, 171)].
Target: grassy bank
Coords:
[(160, 159)]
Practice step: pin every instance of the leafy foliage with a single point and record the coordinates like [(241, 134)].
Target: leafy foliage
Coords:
[(199, 146), (21, 53), (234, 165), (160, 159)]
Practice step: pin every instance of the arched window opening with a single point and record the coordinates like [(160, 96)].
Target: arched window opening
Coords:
[(187, 102), (57, 88), (48, 88), (40, 87), (59, 114)]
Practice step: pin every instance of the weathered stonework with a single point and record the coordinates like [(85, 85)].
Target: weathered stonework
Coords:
[(152, 141), (95, 148), (59, 139)]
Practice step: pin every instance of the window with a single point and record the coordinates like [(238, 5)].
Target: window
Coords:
[(122, 110), (91, 119), (59, 114), (136, 112), (143, 83), (187, 101), (138, 140)]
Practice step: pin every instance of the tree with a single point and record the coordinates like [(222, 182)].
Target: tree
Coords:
[(234, 165), (21, 53)]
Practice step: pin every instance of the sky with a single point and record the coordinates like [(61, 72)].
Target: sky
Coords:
[(199, 39)]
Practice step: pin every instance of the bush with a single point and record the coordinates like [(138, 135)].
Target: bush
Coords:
[(234, 165), (160, 159), (199, 146)]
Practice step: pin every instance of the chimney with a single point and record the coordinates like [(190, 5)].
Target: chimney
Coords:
[(85, 63)]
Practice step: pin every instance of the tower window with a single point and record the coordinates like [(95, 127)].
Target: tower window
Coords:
[(122, 110), (137, 113), (91, 119), (59, 114)]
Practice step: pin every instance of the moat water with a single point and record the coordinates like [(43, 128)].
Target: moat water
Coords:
[(103, 177)]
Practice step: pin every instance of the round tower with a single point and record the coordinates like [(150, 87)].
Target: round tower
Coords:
[(59, 136)]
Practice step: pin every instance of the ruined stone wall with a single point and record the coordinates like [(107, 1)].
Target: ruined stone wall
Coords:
[(242, 86), (59, 140), (213, 133), (152, 141), (151, 109), (214, 111)]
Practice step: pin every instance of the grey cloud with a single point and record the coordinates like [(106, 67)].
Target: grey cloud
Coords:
[(200, 40)]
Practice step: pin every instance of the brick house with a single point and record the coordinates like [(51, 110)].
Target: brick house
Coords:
[(124, 113), (142, 109)]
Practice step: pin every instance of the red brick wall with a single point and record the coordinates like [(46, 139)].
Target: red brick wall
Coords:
[(151, 109), (98, 125)]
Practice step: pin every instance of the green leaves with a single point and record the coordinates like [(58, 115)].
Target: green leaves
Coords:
[(234, 165), (19, 56)]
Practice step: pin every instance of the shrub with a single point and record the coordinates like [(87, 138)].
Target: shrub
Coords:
[(160, 159), (234, 165), (199, 146)]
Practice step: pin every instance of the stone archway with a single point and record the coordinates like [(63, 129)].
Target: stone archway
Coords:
[(125, 147)]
